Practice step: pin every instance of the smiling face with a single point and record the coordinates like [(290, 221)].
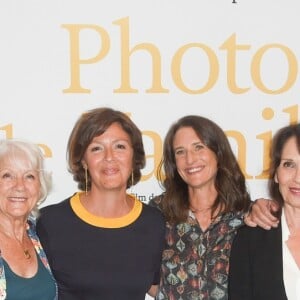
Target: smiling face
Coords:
[(19, 187), (109, 159), (196, 163), (288, 173)]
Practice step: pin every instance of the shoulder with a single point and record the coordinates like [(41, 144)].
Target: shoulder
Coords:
[(257, 235), (157, 201), (152, 212), (153, 217), (54, 210)]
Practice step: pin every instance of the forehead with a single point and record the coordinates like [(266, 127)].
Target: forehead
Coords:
[(114, 131), (16, 160), (290, 148), (185, 135)]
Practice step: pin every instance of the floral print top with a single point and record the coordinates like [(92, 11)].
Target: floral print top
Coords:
[(39, 250), (195, 264)]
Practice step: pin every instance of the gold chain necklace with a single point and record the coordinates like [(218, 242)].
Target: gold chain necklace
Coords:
[(25, 251)]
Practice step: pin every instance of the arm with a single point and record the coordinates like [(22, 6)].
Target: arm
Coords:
[(153, 290), (240, 280), (261, 215)]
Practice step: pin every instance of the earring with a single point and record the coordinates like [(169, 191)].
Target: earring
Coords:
[(86, 179), (132, 179), (132, 183)]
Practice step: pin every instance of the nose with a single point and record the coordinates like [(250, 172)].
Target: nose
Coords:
[(19, 183), (190, 156), (108, 154), (297, 174)]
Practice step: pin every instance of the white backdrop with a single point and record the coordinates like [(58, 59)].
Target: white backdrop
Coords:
[(236, 63)]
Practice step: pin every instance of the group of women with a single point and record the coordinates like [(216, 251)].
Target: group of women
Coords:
[(189, 243)]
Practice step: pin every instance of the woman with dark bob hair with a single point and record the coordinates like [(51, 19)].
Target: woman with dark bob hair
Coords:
[(204, 201), (102, 242), (265, 263)]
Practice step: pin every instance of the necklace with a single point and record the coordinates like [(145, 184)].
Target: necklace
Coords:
[(199, 210), (25, 251)]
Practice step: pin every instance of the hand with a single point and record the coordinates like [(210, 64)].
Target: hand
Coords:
[(261, 215)]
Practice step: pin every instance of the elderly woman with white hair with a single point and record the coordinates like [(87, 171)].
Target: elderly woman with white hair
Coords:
[(24, 270)]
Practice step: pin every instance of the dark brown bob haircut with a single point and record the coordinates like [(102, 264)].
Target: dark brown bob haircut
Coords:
[(94, 123), (279, 140), (230, 181)]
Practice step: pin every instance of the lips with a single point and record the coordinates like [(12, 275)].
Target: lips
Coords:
[(110, 171), (295, 190), (194, 170), (17, 199)]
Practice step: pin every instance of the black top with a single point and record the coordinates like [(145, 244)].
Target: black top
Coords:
[(91, 262), (256, 270)]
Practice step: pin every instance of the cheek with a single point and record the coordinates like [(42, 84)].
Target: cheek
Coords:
[(283, 178), (34, 190)]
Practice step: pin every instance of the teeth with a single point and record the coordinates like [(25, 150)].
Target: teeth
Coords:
[(17, 199), (194, 170)]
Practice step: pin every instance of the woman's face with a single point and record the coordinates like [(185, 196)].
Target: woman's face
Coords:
[(109, 159), (195, 162), (19, 187), (288, 174)]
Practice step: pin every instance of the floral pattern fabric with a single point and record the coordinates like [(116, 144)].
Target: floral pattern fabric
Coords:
[(38, 248), (195, 264)]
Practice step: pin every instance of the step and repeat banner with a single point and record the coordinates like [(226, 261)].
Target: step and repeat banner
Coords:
[(234, 61)]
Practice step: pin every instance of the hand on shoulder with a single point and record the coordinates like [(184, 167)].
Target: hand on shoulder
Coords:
[(261, 214)]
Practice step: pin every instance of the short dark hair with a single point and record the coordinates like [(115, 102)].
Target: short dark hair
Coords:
[(94, 123), (279, 140)]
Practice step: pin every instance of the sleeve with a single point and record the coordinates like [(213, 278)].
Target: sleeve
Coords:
[(240, 279), (43, 237), (161, 246)]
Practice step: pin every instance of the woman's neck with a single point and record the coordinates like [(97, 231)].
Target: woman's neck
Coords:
[(14, 228), (202, 199), (292, 216), (112, 204)]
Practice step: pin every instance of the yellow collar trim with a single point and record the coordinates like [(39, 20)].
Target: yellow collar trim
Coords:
[(91, 219)]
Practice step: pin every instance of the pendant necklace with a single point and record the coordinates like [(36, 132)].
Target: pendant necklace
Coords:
[(25, 251)]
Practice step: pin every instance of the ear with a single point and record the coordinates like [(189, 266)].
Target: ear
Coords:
[(275, 178)]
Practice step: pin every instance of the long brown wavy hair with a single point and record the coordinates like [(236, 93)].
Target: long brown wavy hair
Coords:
[(229, 183)]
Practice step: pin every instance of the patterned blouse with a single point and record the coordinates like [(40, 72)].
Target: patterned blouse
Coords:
[(39, 250), (195, 263)]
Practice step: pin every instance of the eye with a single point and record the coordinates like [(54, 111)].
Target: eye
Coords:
[(199, 147), (7, 175), (121, 146), (288, 164), (30, 176), (96, 148), (179, 152)]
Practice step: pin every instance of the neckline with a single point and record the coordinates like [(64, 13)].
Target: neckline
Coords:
[(97, 221)]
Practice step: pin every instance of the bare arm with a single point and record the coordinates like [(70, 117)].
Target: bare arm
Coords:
[(153, 290), (261, 214)]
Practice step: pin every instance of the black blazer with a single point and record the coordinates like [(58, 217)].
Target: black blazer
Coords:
[(255, 269)]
